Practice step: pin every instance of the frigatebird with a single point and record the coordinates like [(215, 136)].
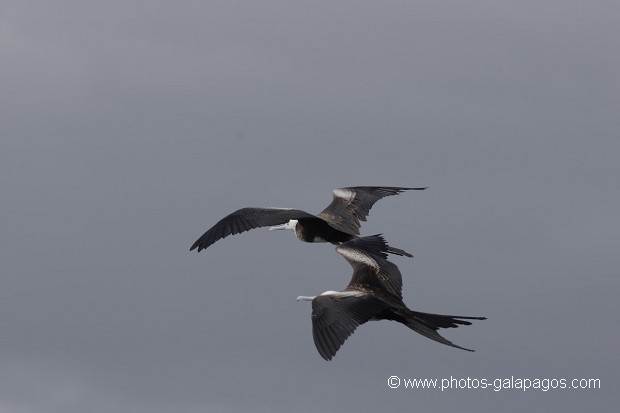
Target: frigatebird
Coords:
[(374, 293), (338, 223)]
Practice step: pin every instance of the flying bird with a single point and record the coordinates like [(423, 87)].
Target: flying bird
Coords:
[(374, 293), (338, 223)]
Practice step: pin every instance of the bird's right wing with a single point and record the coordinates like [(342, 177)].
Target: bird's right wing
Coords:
[(367, 256), (246, 219), (335, 318), (351, 205)]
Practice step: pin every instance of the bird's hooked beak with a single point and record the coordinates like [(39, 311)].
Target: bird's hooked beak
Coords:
[(304, 298)]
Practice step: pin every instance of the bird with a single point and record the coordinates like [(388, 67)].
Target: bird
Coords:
[(374, 293), (338, 223)]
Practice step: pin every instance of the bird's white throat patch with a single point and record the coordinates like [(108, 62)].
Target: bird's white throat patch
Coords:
[(343, 294), (289, 225)]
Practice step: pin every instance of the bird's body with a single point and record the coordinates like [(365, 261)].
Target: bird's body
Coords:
[(374, 293), (339, 222)]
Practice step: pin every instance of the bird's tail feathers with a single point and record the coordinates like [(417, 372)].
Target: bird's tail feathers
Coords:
[(375, 244), (397, 251), (427, 324)]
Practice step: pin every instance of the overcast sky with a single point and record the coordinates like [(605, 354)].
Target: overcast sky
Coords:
[(128, 128)]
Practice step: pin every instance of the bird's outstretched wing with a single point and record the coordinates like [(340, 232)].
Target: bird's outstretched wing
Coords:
[(367, 256), (246, 219), (335, 318), (351, 205)]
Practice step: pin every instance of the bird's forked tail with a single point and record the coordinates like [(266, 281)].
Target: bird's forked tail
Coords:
[(397, 251), (427, 324)]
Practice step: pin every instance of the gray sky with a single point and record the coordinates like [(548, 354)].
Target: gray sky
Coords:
[(130, 127)]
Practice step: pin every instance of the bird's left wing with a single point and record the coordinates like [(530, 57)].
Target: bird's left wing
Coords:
[(335, 318), (246, 219)]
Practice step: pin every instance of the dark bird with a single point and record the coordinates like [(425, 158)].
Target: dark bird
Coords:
[(374, 293), (339, 222)]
